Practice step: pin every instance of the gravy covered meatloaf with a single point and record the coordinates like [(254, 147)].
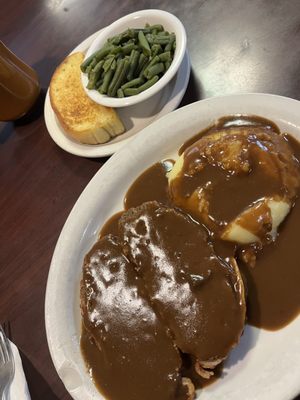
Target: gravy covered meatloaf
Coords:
[(138, 359), (153, 292), (198, 296)]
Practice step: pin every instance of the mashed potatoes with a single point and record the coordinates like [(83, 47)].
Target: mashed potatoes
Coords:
[(241, 182)]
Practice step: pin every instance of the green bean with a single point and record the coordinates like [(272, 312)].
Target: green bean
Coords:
[(98, 55), (120, 64), (154, 61), (106, 81), (86, 63), (131, 55), (107, 63), (113, 65), (120, 93), (116, 50), (95, 75), (158, 27), (114, 40), (142, 61), (133, 64), (170, 44), (124, 36), (128, 48), (131, 33), (98, 66), (89, 73), (90, 67), (118, 78), (99, 83), (163, 33), (141, 74), (144, 44), (161, 40), (121, 78), (144, 30), (131, 91), (133, 82), (150, 38), (167, 64), (92, 82), (155, 49), (166, 56), (154, 70), (148, 84)]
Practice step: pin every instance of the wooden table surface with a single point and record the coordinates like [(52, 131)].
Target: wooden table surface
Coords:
[(235, 46)]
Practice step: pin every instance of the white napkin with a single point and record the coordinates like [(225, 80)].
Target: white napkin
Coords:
[(19, 388)]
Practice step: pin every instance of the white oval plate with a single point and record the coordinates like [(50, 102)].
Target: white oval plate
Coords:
[(265, 365), (134, 118)]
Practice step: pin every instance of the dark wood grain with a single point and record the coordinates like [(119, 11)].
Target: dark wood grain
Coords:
[(235, 46)]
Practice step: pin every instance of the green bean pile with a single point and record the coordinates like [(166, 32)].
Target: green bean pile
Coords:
[(130, 62)]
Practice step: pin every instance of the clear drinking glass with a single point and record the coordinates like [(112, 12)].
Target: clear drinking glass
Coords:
[(19, 86)]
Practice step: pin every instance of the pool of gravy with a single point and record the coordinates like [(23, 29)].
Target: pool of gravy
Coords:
[(273, 283), (111, 225), (152, 184), (273, 295)]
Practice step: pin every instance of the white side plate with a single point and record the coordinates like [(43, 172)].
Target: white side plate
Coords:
[(134, 118), (265, 365)]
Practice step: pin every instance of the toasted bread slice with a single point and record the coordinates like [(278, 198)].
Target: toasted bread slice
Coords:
[(80, 117)]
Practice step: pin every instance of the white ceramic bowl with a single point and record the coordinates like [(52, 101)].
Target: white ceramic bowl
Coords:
[(138, 20)]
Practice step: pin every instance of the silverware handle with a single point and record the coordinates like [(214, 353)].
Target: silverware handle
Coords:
[(5, 395)]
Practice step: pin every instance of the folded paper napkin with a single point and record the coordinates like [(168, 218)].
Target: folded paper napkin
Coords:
[(19, 388)]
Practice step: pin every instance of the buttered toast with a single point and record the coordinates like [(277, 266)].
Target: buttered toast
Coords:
[(81, 118)]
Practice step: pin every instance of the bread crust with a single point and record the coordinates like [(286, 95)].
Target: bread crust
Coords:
[(80, 117)]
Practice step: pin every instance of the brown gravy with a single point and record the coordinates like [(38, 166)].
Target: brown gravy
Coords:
[(95, 360), (273, 284), (152, 184), (104, 380), (273, 295), (224, 173), (118, 315), (182, 274), (111, 225), (229, 121)]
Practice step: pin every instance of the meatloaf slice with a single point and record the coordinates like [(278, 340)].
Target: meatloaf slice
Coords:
[(199, 297), (138, 356)]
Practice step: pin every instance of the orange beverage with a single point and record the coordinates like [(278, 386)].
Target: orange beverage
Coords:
[(19, 86)]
